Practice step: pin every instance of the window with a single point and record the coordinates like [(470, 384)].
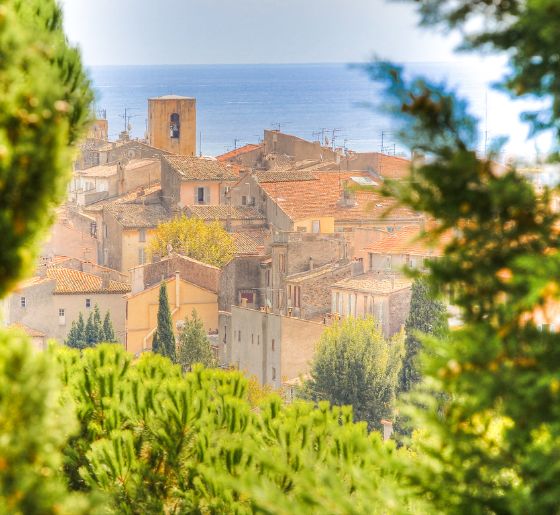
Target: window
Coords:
[(142, 235), (388, 263), (273, 345), (243, 200), (61, 317), (371, 261), (297, 296), (200, 195), (174, 126), (88, 303), (281, 263), (252, 338), (141, 256), (258, 339), (268, 277), (23, 302), (238, 336), (316, 226), (273, 374)]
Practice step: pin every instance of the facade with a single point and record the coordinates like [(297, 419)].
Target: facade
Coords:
[(127, 229), (111, 180), (172, 124), (184, 296), (399, 249), (50, 303), (385, 297), (189, 181), (273, 348)]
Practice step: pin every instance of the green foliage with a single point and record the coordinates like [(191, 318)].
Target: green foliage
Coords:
[(108, 331), (427, 316), (164, 338), (354, 365), (77, 334), (44, 108), (193, 344), (156, 440), (34, 427), (93, 333), (206, 242), (493, 446)]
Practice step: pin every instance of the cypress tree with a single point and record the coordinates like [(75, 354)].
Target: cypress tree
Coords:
[(108, 331), (428, 316), (164, 339), (91, 333), (98, 325)]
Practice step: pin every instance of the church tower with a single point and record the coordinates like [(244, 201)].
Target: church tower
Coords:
[(172, 124)]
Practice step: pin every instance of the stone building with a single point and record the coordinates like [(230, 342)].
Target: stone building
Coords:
[(127, 230), (320, 202), (111, 180), (385, 297), (49, 303), (272, 347), (172, 124), (189, 181)]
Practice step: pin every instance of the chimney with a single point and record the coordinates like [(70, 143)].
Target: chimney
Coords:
[(387, 429), (311, 264), (177, 289), (105, 279)]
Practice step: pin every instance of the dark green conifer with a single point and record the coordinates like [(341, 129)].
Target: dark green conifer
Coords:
[(164, 340), (108, 331)]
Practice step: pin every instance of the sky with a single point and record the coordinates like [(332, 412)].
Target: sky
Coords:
[(119, 32)]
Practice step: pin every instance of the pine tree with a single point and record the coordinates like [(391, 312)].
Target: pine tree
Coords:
[(108, 331), (427, 316), (354, 365), (165, 338), (193, 344)]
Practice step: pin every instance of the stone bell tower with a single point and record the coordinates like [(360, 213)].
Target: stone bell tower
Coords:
[(172, 124)]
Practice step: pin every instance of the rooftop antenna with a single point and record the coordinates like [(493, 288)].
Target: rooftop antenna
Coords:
[(200, 143), (126, 116), (334, 131)]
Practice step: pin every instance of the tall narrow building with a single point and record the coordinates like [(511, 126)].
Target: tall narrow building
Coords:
[(172, 124)]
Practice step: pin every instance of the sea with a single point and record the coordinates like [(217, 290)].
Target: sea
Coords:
[(335, 103)]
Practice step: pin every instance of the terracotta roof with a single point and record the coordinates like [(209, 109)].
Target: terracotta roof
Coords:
[(74, 281), (28, 330), (138, 215), (321, 197), (407, 240), (135, 194), (249, 242), (200, 169), (224, 212), (391, 167), (312, 274), (238, 151), (284, 176), (372, 282)]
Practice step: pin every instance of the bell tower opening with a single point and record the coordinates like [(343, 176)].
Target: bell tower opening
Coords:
[(174, 126)]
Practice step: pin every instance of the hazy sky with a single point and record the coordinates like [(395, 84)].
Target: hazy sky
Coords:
[(248, 31)]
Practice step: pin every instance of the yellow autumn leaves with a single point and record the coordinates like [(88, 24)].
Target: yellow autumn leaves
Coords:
[(192, 237)]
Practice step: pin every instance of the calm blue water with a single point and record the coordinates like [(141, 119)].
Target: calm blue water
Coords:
[(236, 102)]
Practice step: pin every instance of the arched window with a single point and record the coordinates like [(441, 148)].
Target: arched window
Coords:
[(174, 125)]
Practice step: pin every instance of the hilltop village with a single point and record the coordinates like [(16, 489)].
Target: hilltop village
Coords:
[(315, 241)]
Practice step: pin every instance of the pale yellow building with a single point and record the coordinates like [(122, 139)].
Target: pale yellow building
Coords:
[(184, 296), (172, 124)]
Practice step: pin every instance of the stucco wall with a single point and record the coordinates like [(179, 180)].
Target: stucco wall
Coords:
[(42, 310), (299, 149), (142, 311)]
